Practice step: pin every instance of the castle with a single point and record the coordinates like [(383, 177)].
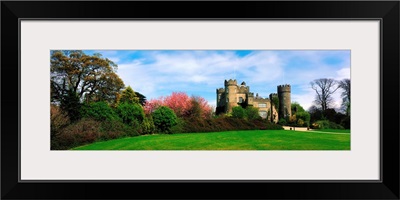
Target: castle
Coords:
[(277, 106)]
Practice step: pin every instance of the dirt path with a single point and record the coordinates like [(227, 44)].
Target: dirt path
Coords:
[(310, 130)]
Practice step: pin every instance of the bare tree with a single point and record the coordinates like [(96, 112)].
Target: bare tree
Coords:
[(345, 86), (324, 87)]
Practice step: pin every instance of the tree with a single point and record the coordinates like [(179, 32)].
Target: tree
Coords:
[(179, 102), (275, 102), (194, 111), (201, 105), (182, 105), (142, 98), (345, 86), (296, 107), (315, 113), (130, 113), (58, 120), (239, 112), (128, 96), (252, 113), (304, 117), (147, 125), (88, 76), (324, 87), (152, 105), (99, 111), (70, 103), (300, 116), (164, 119)]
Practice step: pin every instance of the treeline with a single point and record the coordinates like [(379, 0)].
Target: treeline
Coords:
[(100, 121), (323, 116), (89, 103)]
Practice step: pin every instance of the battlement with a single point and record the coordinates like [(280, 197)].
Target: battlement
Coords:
[(230, 82), (244, 89), (283, 88), (220, 90)]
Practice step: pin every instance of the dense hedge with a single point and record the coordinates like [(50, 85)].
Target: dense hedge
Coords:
[(89, 130), (326, 124), (100, 122), (222, 124)]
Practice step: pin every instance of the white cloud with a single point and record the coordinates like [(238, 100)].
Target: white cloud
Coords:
[(343, 73), (158, 73)]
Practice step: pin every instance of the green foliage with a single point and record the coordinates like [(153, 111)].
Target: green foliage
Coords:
[(275, 102), (130, 113), (70, 103), (252, 113), (296, 107), (164, 118), (345, 122), (147, 125), (115, 129), (180, 126), (304, 116), (326, 124), (142, 98), (282, 122), (100, 111), (239, 112), (129, 96), (345, 86), (300, 122)]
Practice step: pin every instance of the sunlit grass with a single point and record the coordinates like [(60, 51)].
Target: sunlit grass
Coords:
[(229, 140)]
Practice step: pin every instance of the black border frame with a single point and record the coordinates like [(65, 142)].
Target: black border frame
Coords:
[(386, 11)]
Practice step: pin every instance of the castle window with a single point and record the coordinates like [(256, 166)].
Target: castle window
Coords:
[(240, 99), (262, 105)]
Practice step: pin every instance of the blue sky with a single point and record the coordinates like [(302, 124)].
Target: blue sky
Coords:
[(156, 73)]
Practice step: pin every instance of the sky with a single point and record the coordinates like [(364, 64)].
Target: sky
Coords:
[(156, 73)]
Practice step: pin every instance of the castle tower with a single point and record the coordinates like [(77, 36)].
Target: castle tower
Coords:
[(220, 96), (284, 101), (230, 93)]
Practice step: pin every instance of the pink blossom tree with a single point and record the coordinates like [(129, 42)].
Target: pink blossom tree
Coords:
[(181, 104)]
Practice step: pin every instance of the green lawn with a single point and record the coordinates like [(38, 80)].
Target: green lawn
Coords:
[(229, 140), (332, 130)]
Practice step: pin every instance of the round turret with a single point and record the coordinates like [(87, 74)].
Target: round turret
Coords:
[(231, 82), (283, 88), (284, 95)]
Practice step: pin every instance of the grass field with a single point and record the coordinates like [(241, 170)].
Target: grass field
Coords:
[(229, 140), (333, 130)]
